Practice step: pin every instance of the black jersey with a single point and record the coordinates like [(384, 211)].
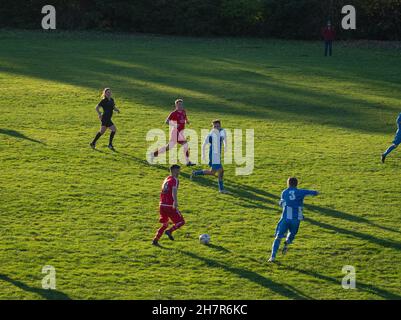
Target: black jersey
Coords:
[(108, 107)]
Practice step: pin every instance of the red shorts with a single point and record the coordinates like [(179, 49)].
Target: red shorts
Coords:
[(167, 213), (177, 137)]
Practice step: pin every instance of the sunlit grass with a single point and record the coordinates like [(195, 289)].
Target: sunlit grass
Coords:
[(92, 214)]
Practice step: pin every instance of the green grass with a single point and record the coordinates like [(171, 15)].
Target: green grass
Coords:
[(92, 214)]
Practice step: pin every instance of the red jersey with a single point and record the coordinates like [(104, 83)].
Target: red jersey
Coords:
[(328, 34), (166, 195), (179, 117)]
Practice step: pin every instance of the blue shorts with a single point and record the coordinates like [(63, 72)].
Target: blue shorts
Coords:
[(286, 225), (216, 166), (397, 139)]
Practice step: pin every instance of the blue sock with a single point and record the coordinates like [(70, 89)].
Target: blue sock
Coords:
[(221, 185), (392, 147), (198, 173), (276, 245)]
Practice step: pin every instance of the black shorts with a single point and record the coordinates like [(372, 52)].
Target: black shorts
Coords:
[(107, 123)]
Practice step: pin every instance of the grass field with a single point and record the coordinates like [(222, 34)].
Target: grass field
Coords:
[(92, 214)]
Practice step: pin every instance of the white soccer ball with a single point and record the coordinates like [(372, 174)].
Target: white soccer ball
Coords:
[(204, 238)]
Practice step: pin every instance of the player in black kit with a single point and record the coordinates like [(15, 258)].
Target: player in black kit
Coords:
[(108, 107)]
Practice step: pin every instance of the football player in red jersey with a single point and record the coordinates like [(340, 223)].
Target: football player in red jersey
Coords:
[(177, 120), (169, 206)]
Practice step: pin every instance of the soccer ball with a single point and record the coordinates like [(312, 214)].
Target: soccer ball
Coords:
[(204, 238)]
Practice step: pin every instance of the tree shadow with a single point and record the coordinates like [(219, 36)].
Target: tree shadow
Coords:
[(362, 236), (154, 75), (359, 285), (137, 160), (18, 135), (262, 195), (283, 290), (346, 216), (46, 294)]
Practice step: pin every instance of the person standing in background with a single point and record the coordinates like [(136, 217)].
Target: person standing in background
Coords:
[(328, 34)]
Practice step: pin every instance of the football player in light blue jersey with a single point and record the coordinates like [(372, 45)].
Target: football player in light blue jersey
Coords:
[(216, 139), (397, 139), (292, 200)]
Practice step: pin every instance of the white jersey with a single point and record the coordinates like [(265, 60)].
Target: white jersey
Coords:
[(215, 139)]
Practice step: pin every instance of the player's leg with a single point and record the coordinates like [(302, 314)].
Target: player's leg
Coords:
[(113, 130), (183, 141), (164, 221), (185, 147), (292, 232), (178, 221), (203, 173), (390, 149), (220, 175), (167, 147), (281, 229), (98, 135)]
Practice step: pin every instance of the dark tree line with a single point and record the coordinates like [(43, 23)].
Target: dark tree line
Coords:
[(293, 19)]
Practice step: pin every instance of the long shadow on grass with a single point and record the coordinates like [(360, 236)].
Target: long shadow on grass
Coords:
[(251, 200), (18, 135), (360, 286), (363, 236), (46, 294), (155, 83), (206, 182), (283, 290), (262, 195), (255, 198)]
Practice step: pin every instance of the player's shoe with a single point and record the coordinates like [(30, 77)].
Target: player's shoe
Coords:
[(383, 158), (285, 248), (191, 177), (155, 243), (110, 146), (190, 164), (169, 235), (271, 259), (224, 191), (93, 145)]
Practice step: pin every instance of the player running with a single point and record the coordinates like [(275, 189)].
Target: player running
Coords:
[(108, 107), (215, 140), (291, 201), (397, 140), (177, 121), (169, 205)]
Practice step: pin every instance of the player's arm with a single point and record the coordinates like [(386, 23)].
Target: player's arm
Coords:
[(282, 201), (175, 198), (186, 119), (116, 109), (204, 147), (399, 120), (310, 192), (171, 122), (224, 136), (99, 114)]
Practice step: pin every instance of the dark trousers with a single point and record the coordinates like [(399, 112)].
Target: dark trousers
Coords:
[(328, 48)]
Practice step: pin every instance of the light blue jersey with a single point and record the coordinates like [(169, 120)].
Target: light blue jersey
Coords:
[(397, 139), (292, 201)]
